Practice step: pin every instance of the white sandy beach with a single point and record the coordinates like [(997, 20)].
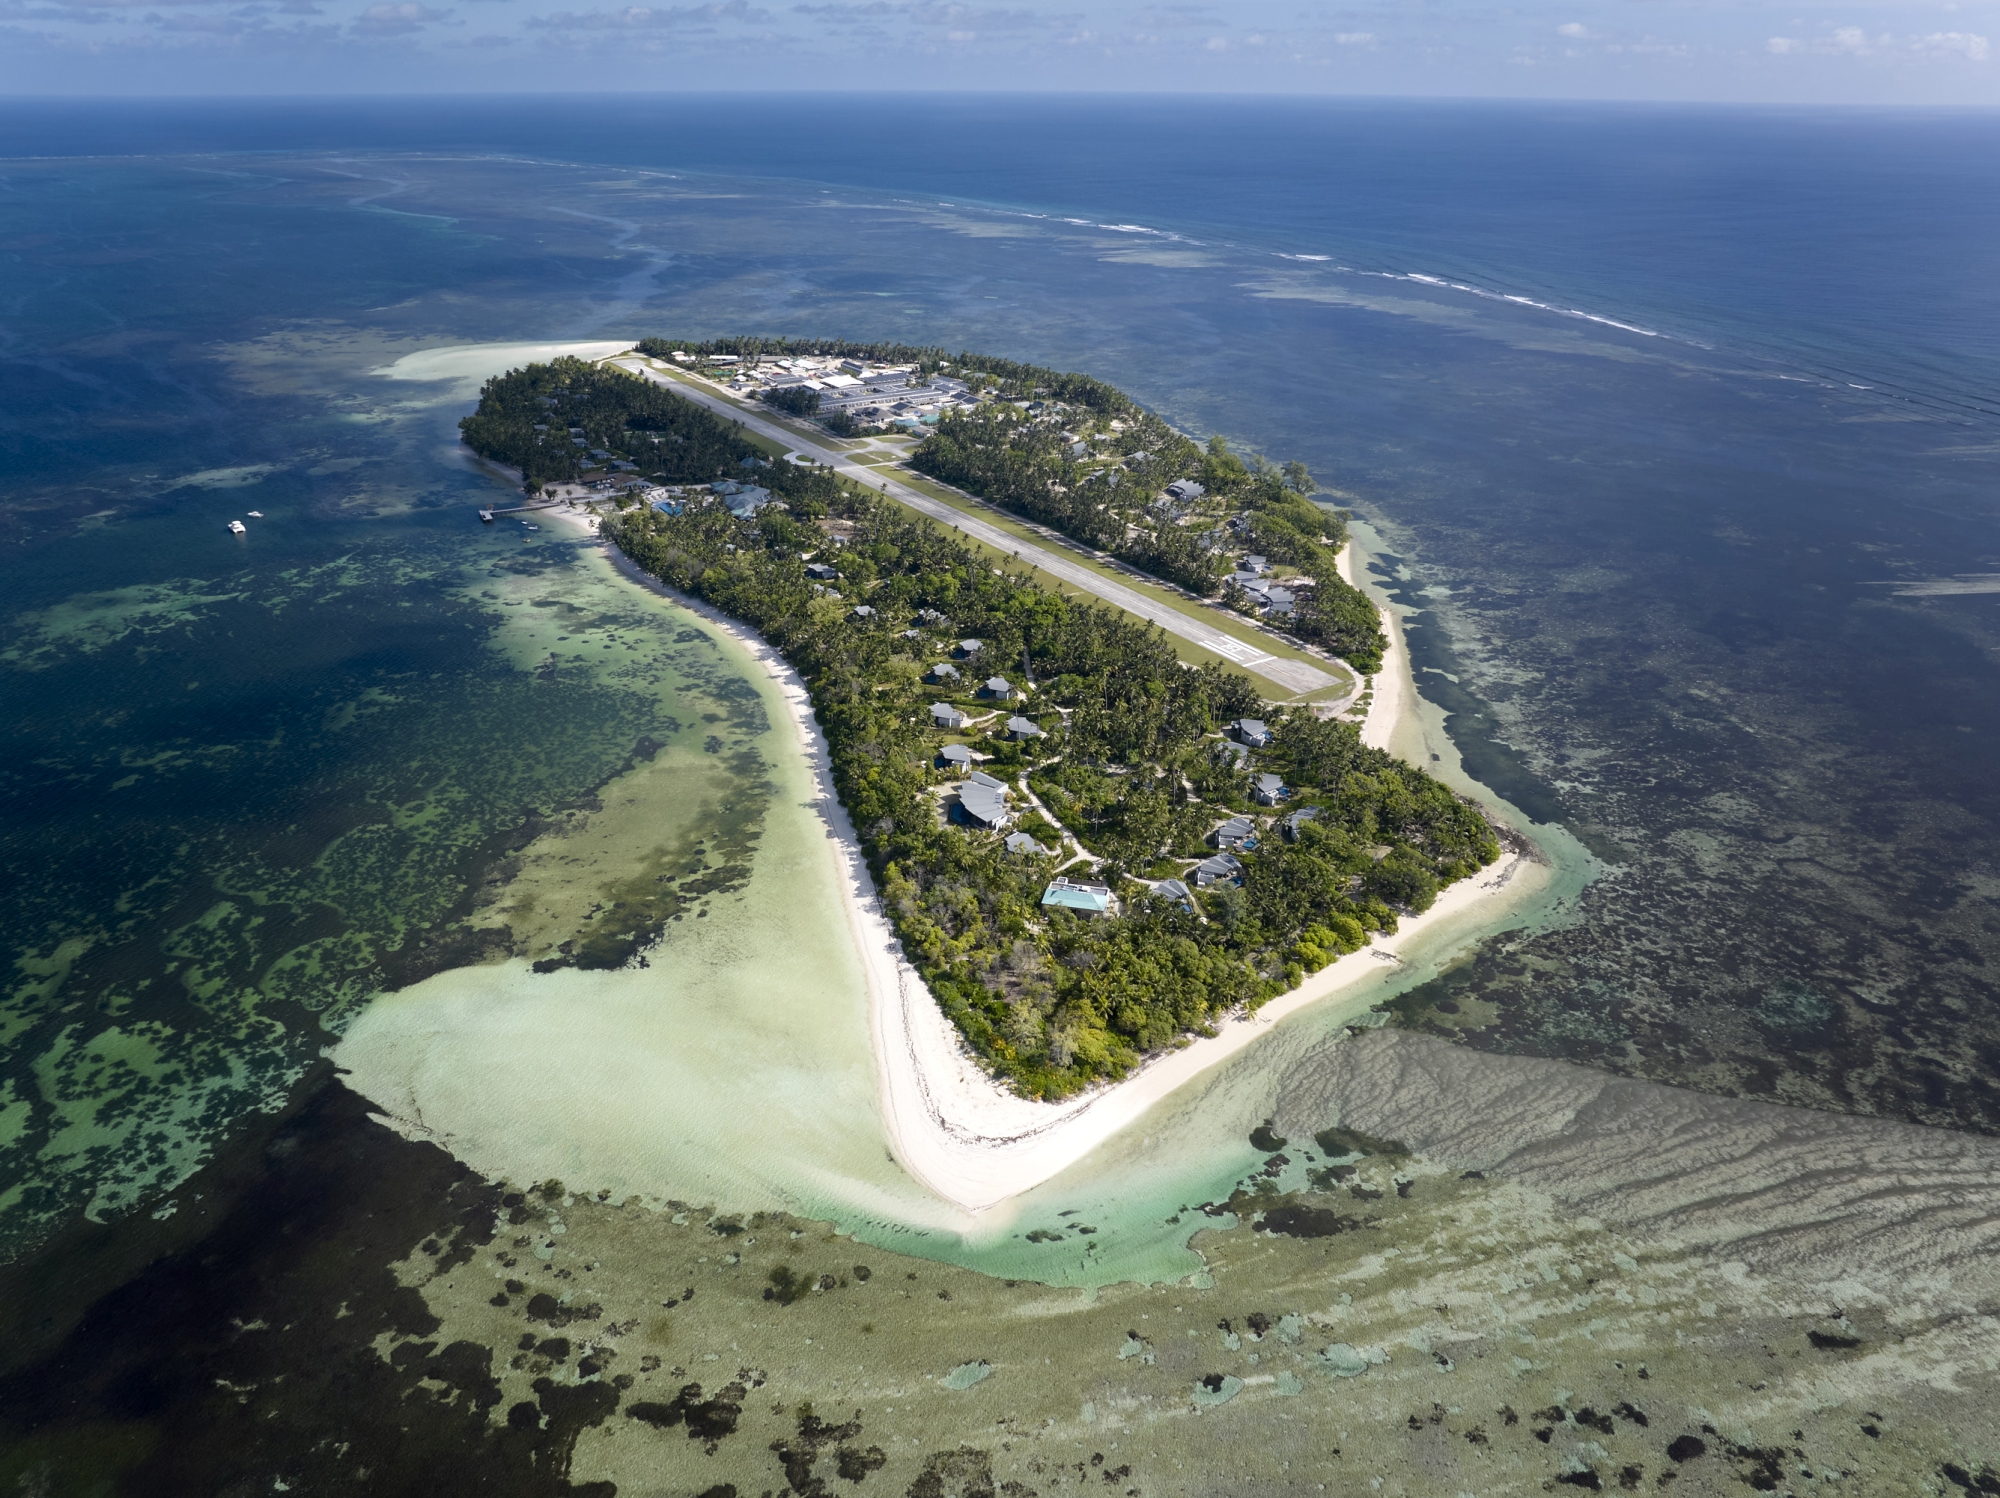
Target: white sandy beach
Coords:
[(951, 1126), (1395, 688)]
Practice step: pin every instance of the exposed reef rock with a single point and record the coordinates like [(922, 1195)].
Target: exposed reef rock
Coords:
[(1821, 1197)]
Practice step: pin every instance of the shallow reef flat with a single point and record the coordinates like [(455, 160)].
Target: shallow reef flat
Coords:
[(327, 809), (347, 1310), (1398, 1323)]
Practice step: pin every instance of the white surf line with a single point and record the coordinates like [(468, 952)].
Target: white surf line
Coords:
[(1297, 675)]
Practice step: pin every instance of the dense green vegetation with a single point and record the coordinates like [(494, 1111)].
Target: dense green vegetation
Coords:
[(558, 421), (1132, 767), (1133, 772), (1097, 473), (526, 418)]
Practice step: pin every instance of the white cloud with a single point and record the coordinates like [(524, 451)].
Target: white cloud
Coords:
[(1573, 29), (396, 20), (1355, 38), (1852, 41), (646, 18), (1948, 43), (960, 22)]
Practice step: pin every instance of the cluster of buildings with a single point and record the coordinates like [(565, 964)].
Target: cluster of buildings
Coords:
[(871, 394), (1240, 834), (742, 499), (981, 799), (1253, 576)]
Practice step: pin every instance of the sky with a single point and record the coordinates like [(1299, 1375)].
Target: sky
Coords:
[(1901, 52)]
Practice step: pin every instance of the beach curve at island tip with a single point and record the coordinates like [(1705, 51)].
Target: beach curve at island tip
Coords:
[(967, 1139), (958, 1133)]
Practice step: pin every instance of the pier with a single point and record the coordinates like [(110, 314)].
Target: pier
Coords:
[(487, 512)]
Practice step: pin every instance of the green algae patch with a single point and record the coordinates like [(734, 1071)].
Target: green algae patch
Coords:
[(1343, 1361), (148, 617), (965, 1375), (1216, 1389), (360, 778)]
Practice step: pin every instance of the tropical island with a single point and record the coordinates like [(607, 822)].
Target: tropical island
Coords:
[(1089, 849)]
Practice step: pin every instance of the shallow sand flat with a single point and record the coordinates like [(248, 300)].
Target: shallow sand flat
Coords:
[(735, 1065), (813, 1072), (740, 1069), (471, 365)]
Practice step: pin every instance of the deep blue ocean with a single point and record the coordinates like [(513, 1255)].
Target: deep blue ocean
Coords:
[(1681, 425)]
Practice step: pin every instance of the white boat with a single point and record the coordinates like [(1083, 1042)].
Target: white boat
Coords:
[(256, 514), (237, 527)]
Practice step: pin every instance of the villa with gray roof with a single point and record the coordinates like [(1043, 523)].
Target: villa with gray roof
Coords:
[(982, 801), (1224, 868), (1237, 832)]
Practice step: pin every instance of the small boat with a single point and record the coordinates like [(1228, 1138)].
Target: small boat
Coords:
[(237, 527), (256, 514)]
